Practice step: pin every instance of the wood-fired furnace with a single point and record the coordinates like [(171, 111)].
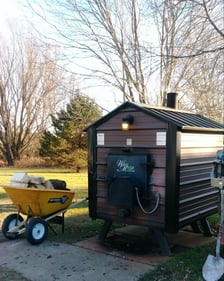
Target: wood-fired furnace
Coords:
[(154, 171)]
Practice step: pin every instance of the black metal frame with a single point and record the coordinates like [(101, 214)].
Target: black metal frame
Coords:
[(92, 186), (172, 179)]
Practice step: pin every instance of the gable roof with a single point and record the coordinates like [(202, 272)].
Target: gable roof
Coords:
[(184, 120)]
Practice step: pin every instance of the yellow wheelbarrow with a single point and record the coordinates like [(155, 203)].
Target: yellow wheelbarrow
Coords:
[(40, 206)]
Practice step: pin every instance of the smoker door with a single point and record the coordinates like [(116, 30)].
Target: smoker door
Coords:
[(125, 173)]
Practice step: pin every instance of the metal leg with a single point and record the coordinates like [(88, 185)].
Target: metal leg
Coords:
[(58, 220), (28, 215), (51, 228), (195, 227), (105, 229), (159, 234), (206, 227), (63, 222)]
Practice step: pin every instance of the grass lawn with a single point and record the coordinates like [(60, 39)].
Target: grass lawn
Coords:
[(186, 266)]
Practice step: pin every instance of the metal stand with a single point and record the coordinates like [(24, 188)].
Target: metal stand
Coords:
[(158, 233), (161, 239), (206, 227), (202, 226), (58, 220), (105, 229)]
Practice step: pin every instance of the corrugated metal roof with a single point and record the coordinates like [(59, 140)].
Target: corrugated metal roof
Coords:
[(184, 118)]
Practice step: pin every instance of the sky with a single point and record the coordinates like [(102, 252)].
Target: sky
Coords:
[(9, 9), (12, 11)]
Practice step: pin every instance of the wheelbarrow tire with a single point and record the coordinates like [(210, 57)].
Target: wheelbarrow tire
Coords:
[(9, 222), (36, 231)]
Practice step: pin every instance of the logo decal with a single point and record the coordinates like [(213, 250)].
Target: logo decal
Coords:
[(124, 166), (61, 200)]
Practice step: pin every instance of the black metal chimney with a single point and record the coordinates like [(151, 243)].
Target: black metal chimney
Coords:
[(172, 100)]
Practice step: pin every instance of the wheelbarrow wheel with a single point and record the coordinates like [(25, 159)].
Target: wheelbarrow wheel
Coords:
[(36, 231), (9, 222)]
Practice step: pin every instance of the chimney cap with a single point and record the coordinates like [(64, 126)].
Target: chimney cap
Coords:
[(172, 100)]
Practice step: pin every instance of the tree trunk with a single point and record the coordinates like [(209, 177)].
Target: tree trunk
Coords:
[(8, 156)]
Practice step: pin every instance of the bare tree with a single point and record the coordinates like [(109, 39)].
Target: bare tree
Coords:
[(213, 13), (204, 86), (111, 41), (191, 53), (183, 33), (29, 87), (108, 36), (204, 80), (174, 23)]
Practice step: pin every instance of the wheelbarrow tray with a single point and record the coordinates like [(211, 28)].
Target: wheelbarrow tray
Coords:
[(39, 202)]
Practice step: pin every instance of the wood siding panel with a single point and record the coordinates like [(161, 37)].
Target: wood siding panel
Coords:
[(136, 215), (196, 196), (159, 177), (141, 120), (139, 138), (143, 141)]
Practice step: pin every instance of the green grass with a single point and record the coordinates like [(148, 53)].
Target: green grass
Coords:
[(187, 265), (183, 266)]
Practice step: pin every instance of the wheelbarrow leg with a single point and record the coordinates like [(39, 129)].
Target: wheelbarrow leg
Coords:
[(51, 228), (58, 220), (63, 223)]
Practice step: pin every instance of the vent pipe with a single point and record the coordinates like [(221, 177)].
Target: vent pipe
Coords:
[(172, 100)]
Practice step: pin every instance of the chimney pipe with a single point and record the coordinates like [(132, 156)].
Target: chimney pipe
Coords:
[(172, 100)]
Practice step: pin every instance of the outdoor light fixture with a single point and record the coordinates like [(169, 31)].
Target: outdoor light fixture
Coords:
[(126, 122)]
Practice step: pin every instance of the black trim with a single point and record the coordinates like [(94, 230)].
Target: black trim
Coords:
[(172, 179), (92, 183)]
